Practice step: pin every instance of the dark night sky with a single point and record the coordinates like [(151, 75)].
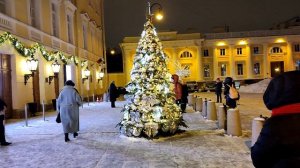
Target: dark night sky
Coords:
[(126, 17)]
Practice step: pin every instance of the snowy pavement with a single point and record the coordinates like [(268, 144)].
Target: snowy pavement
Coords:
[(99, 143)]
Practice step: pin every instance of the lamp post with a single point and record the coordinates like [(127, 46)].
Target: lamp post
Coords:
[(158, 15), (86, 73), (32, 65)]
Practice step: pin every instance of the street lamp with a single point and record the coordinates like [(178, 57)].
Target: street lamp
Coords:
[(32, 65), (158, 15), (55, 68), (86, 73), (100, 75)]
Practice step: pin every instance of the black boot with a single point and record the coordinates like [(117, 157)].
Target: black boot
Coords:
[(75, 134), (67, 137)]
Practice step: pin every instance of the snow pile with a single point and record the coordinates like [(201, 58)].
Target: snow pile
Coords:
[(258, 87)]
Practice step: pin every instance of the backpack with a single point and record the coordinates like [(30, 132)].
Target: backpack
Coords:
[(233, 93)]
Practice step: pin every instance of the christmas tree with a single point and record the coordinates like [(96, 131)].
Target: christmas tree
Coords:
[(152, 109)]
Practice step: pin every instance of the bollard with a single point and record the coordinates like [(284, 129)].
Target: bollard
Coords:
[(204, 107), (234, 127), (105, 97), (88, 99), (211, 111), (26, 116), (191, 100), (93, 97), (257, 125), (221, 117), (43, 106), (198, 104)]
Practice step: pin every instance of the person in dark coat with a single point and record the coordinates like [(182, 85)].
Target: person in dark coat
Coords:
[(184, 96), (218, 90), (3, 107), (113, 94), (278, 144), (231, 103)]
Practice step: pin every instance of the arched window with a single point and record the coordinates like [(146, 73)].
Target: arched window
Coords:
[(276, 50), (186, 54)]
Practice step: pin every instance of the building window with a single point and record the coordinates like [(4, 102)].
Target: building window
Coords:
[(239, 51), (2, 6), (256, 50), (70, 28), (206, 70), (84, 30), (223, 69), (54, 13), (256, 68), (205, 53), (34, 14), (186, 54), (276, 50), (240, 69), (222, 51), (297, 48)]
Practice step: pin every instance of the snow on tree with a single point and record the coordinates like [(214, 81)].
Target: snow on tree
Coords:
[(152, 110)]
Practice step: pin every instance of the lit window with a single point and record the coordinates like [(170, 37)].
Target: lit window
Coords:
[(276, 50), (206, 70), (239, 51), (186, 54), (240, 69), (223, 69), (256, 68), (68, 72), (222, 51)]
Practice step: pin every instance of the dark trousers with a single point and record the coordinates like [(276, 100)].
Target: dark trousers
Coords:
[(2, 130), (112, 103), (219, 97), (183, 107)]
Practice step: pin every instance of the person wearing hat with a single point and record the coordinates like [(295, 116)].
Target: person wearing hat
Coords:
[(278, 144), (68, 103)]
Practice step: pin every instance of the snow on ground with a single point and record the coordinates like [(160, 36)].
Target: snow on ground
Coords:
[(99, 143), (259, 87)]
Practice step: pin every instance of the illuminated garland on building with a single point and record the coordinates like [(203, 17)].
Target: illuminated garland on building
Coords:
[(29, 51)]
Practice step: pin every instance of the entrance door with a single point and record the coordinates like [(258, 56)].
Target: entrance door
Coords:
[(277, 68), (5, 83)]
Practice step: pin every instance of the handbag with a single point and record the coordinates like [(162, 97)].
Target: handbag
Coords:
[(58, 120)]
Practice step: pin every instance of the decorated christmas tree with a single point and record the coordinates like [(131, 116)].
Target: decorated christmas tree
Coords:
[(151, 110)]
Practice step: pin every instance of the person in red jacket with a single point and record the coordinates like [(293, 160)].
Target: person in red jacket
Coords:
[(177, 88), (278, 144)]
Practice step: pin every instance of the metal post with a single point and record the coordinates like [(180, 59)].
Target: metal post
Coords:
[(26, 116), (43, 106), (88, 99), (93, 97)]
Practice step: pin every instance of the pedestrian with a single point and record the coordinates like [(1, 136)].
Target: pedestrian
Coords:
[(177, 89), (218, 90), (184, 96), (278, 143), (68, 103), (230, 102), (3, 107), (113, 94)]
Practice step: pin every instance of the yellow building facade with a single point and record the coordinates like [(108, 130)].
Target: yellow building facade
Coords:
[(241, 55), (69, 32)]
